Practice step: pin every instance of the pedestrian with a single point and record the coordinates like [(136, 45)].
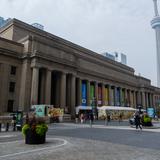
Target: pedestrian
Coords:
[(14, 122), (108, 118), (82, 117), (138, 121), (120, 117), (77, 118), (91, 117)]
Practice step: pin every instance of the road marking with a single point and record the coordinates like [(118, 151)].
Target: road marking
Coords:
[(40, 149), (7, 136)]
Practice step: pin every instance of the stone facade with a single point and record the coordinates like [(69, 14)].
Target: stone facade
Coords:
[(51, 70)]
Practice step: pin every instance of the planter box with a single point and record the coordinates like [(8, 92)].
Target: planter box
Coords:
[(147, 124), (33, 138)]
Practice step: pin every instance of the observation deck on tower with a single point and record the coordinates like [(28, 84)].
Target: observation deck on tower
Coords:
[(156, 20)]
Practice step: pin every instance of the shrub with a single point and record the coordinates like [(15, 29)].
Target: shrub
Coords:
[(35, 124), (25, 128), (146, 119), (41, 129)]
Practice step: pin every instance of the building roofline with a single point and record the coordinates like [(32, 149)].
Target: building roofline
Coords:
[(48, 35)]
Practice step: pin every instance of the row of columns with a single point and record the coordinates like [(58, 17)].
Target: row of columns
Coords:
[(46, 89), (131, 97)]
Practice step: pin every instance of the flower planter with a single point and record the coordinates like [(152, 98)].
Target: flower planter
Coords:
[(32, 138), (147, 124)]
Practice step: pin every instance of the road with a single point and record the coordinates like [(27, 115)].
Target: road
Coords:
[(76, 142)]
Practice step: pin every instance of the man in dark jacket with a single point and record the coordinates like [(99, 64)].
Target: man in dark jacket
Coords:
[(138, 121)]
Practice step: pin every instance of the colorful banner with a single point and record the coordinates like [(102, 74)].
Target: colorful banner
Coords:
[(118, 97), (131, 99), (92, 90), (122, 98), (112, 96), (84, 94), (99, 95), (92, 95), (106, 98)]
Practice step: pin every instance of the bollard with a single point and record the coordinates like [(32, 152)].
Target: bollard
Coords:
[(0, 127), (7, 127)]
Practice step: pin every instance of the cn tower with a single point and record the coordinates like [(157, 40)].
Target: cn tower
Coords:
[(155, 23)]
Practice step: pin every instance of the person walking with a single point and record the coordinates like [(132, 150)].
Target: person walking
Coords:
[(82, 117), (138, 121), (91, 118), (14, 122), (120, 117), (108, 119)]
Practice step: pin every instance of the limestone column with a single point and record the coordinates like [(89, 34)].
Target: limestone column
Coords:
[(96, 92), (143, 99), (25, 86), (42, 86), (122, 96), (147, 97), (34, 88), (88, 93), (118, 96), (134, 95), (73, 95), (103, 94), (115, 96), (154, 100), (150, 99), (63, 90), (107, 102), (139, 102), (129, 98), (48, 87), (125, 97), (79, 92), (111, 102)]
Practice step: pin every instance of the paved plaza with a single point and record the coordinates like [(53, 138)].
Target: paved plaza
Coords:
[(69, 141)]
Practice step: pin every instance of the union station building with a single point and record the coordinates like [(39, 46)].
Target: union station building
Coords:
[(37, 67)]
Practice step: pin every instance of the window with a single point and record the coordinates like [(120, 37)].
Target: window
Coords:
[(10, 106), (12, 86), (13, 70)]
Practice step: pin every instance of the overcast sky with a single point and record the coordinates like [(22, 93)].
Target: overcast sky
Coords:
[(99, 25)]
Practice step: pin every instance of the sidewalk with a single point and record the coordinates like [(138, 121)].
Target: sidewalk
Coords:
[(101, 124)]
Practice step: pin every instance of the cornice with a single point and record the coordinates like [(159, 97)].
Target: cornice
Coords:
[(10, 53), (12, 42), (67, 43)]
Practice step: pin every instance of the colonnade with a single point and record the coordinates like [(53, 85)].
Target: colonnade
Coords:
[(67, 89)]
